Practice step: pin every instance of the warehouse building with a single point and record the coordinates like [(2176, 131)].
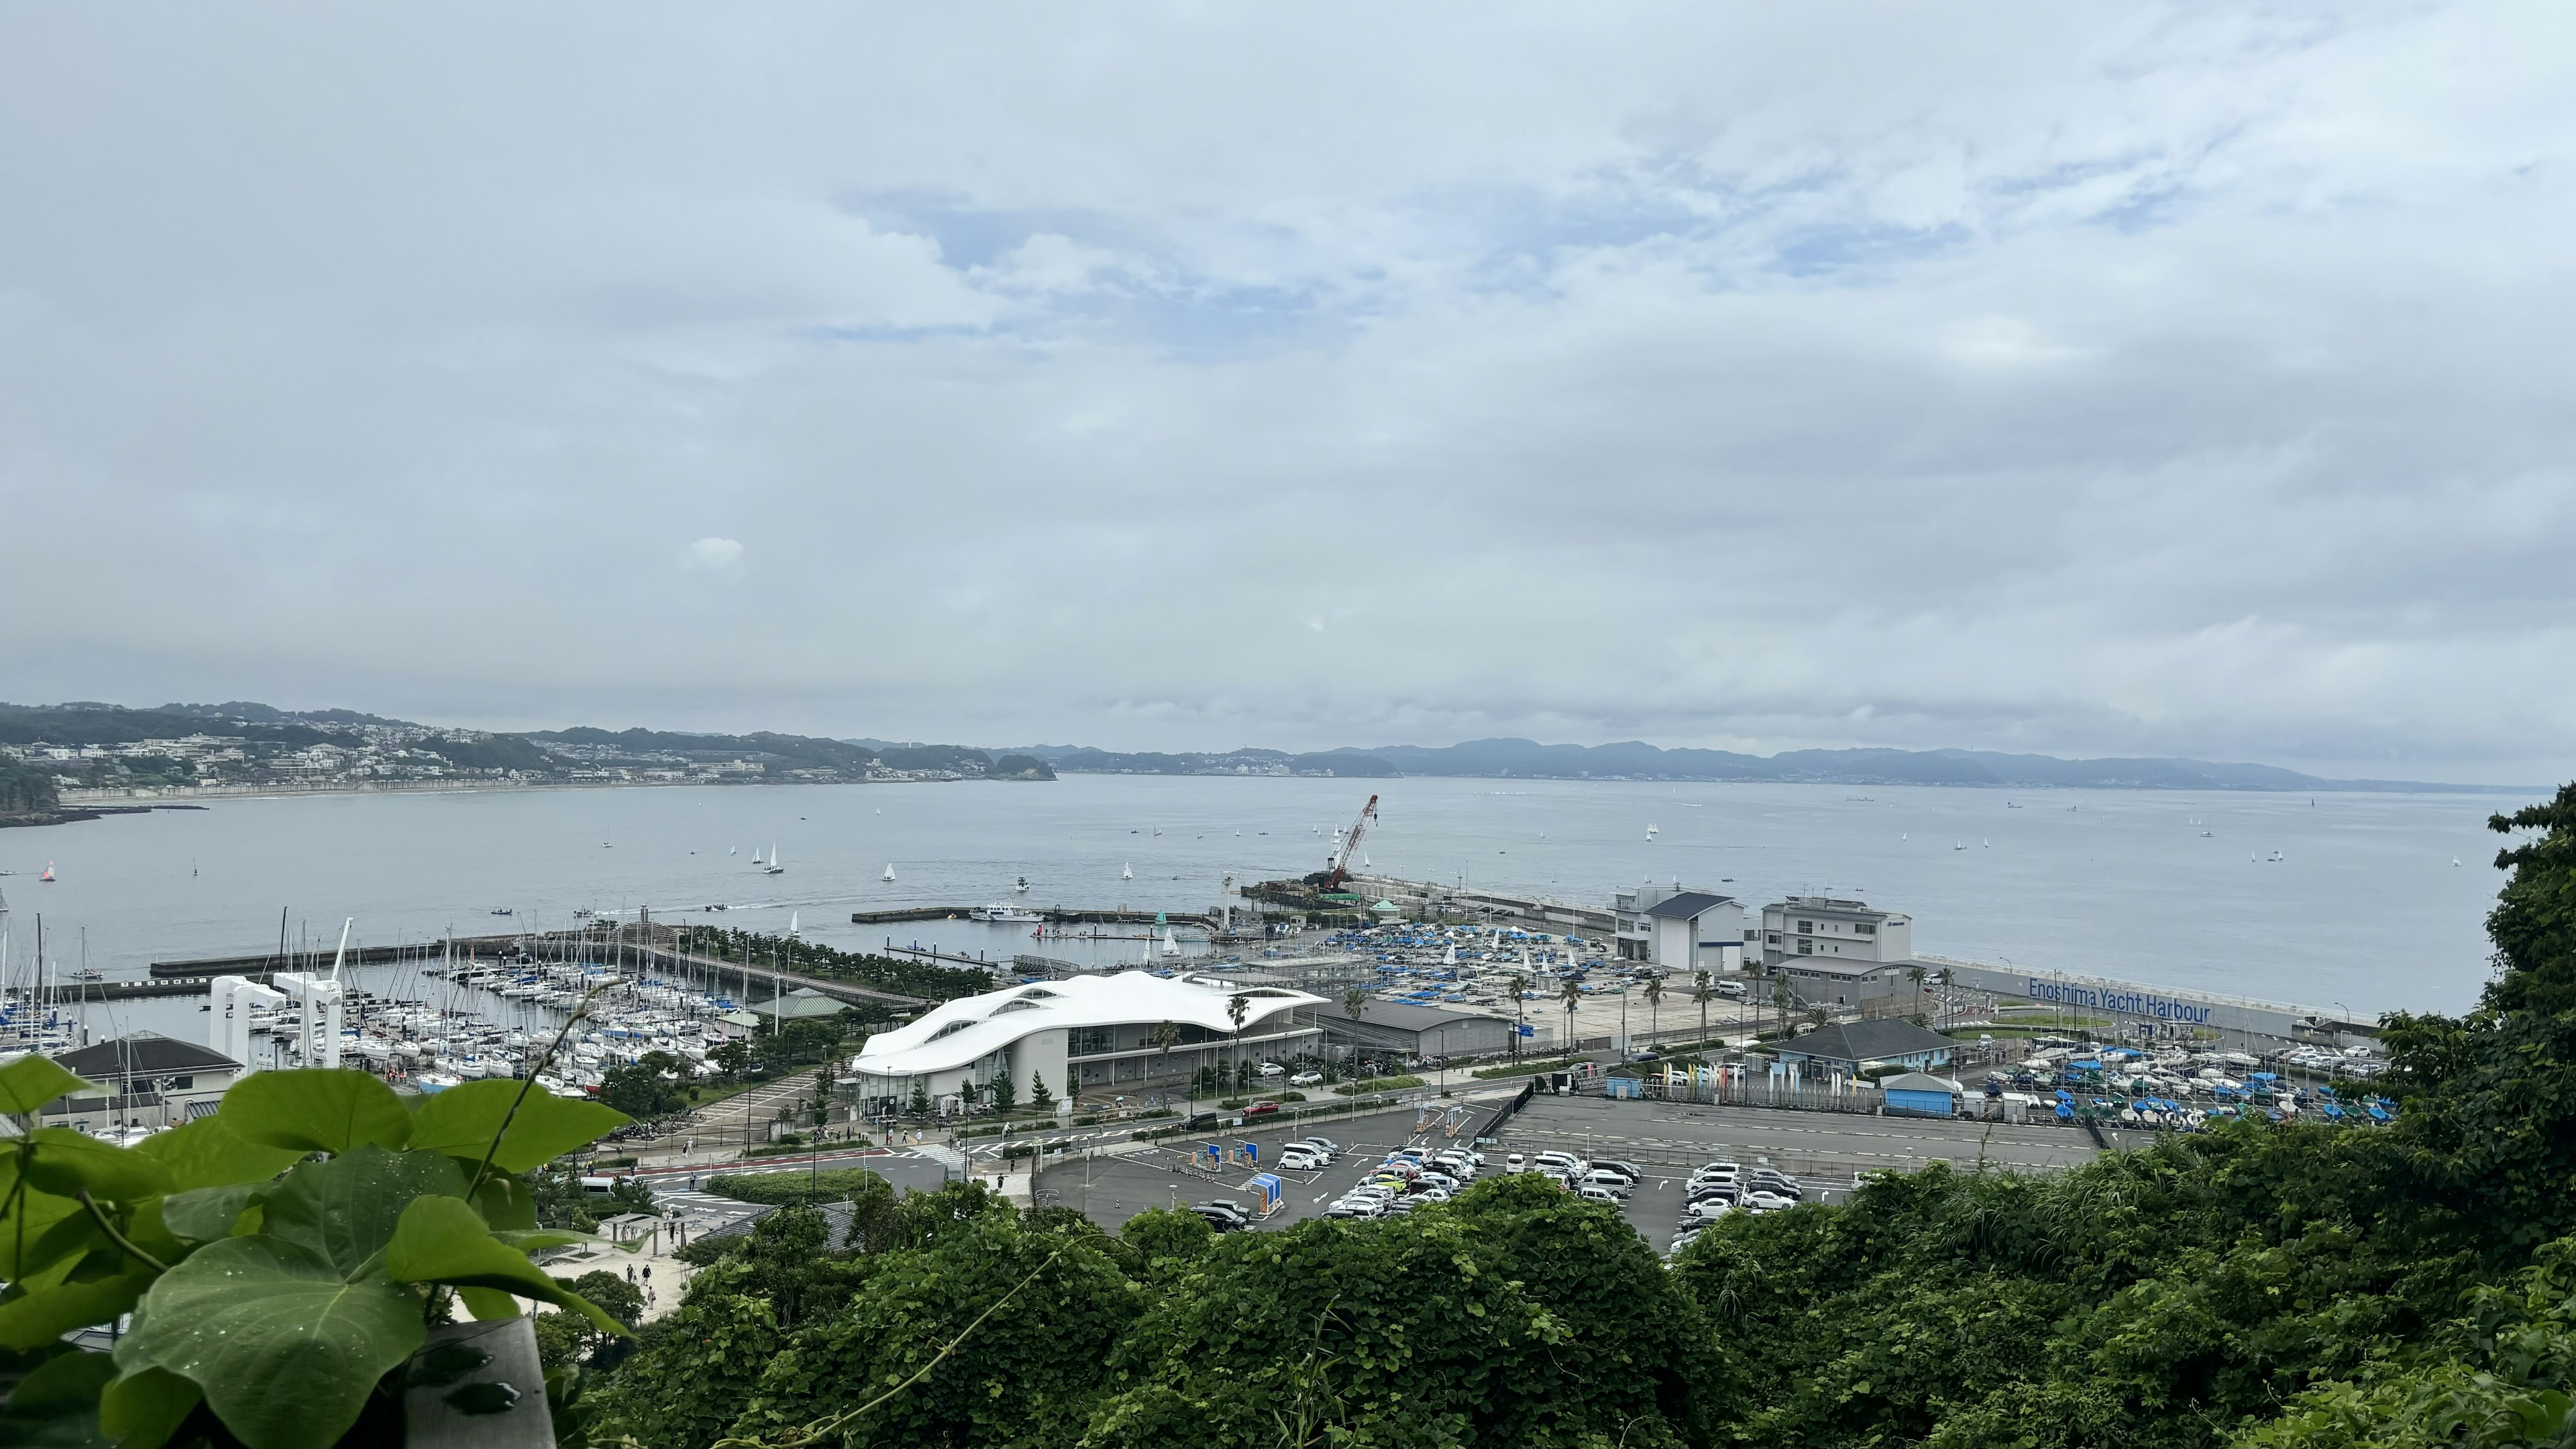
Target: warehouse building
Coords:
[(1385, 1028)]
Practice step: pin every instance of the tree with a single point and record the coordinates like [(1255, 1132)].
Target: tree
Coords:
[(1039, 1096), (1704, 986), (1783, 998), (1572, 996), (2533, 924), (1237, 1007), (1916, 973), (1005, 1094), (919, 1106), (1654, 1007), (646, 1088), (1164, 1037), (732, 1057), (1520, 988)]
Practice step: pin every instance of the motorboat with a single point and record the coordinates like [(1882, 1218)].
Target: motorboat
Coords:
[(997, 911)]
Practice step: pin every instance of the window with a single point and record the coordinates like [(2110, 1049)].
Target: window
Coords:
[(1775, 938), (1806, 948), (951, 1029), (1088, 1041), (1864, 928), (1806, 927)]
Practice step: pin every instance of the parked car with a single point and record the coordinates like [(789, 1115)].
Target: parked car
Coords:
[(1261, 1109), (1515, 1163), (1714, 1194), (1707, 1210), (1273, 1069), (1766, 1201), (1305, 1079), (1355, 1207), (1297, 1159), (1440, 1180), (1595, 1192), (1628, 1170), (1608, 1181)]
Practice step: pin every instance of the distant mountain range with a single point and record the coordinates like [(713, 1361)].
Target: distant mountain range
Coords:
[(43, 746), (1635, 760)]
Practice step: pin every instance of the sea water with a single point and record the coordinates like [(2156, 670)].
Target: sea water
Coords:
[(2364, 908)]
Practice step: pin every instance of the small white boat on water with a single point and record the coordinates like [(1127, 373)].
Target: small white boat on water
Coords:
[(997, 911), (889, 871), (773, 867), (1126, 872)]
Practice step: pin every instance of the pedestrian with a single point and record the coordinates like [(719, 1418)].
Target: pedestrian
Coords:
[(648, 1272), (630, 1272)]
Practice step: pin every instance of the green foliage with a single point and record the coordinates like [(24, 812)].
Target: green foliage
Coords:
[(2534, 921), (27, 789), (646, 1087), (799, 1189), (1039, 1097), (280, 1258)]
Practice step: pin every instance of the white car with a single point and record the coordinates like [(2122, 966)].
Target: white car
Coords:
[(1707, 1212), (1273, 1069), (1296, 1161), (1767, 1202), (1305, 1079), (1595, 1192)]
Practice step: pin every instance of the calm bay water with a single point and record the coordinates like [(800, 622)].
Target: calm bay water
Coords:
[(2365, 910)]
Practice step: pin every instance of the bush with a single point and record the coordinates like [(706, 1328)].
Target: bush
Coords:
[(794, 1189), (1379, 1084)]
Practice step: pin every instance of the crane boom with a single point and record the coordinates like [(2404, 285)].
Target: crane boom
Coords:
[(1350, 847)]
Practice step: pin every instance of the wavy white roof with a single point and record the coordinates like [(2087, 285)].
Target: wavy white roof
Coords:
[(958, 1033)]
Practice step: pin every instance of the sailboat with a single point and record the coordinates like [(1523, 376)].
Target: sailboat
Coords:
[(1364, 860), (1171, 947), (889, 875), (1961, 845), (1651, 832), (733, 850), (773, 868), (792, 928), (1126, 872), (48, 877)]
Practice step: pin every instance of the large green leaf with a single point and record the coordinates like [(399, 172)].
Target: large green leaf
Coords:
[(66, 1161), (285, 1348), (316, 1109), (487, 1304), (31, 1081), (50, 1312), (142, 1410), (208, 1213), (440, 1240), (29, 1217), (462, 1121), (344, 1208), (206, 1153), (56, 1407)]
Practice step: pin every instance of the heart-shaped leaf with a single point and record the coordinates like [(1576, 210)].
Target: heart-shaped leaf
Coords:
[(344, 1208), (142, 1410), (50, 1312), (56, 1406), (29, 1217), (487, 1304), (31, 1081), (208, 1213), (285, 1348), (65, 1162), (316, 1109), (463, 1120), (207, 1153), (440, 1240)]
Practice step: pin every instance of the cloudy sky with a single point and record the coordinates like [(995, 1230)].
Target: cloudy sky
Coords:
[(2082, 379)]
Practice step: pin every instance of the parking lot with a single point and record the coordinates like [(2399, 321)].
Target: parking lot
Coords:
[(1823, 1150), (1113, 1189)]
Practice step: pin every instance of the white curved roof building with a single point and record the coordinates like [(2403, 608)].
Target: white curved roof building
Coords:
[(1093, 1033)]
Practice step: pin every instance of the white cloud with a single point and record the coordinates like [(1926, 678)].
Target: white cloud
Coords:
[(2183, 383), (715, 555)]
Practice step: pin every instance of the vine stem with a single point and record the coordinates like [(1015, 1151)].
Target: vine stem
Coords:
[(813, 1433), (110, 1229), (485, 1169)]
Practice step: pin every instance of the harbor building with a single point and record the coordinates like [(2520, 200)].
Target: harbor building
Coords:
[(1680, 930), (1842, 981), (1825, 926), (151, 1081), (1845, 1050), (1085, 1033), (1412, 1031)]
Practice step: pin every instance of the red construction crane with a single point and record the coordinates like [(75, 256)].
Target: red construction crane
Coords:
[(1349, 849)]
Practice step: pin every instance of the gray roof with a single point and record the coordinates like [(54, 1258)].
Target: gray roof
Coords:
[(143, 1054), (1686, 905), (1839, 965), (1867, 1041), (1400, 1017), (1921, 1082)]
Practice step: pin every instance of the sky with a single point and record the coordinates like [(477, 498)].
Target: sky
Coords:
[(2088, 380)]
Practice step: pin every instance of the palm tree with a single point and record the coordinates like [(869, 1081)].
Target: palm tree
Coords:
[(1354, 1004), (1237, 1007), (1163, 1038), (1782, 998), (1706, 988), (1917, 973), (1572, 996), (1943, 976), (1520, 984), (1654, 1008)]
